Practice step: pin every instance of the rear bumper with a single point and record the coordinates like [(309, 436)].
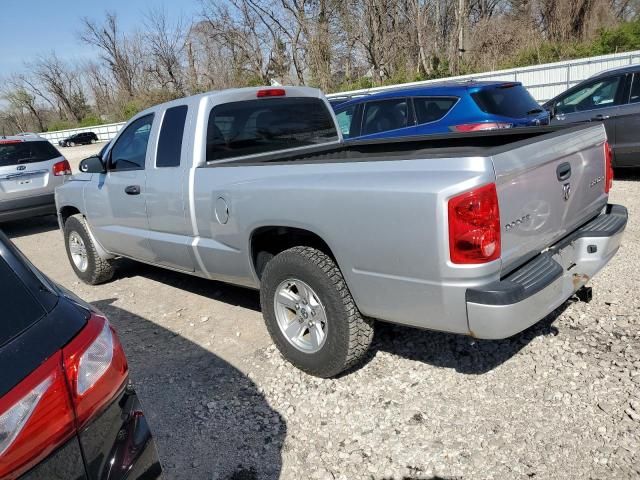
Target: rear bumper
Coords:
[(506, 307), (117, 446), (27, 207)]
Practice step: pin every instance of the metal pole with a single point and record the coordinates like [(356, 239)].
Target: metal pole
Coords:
[(461, 12)]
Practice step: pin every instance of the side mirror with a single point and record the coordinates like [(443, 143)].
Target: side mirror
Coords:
[(552, 111), (92, 165)]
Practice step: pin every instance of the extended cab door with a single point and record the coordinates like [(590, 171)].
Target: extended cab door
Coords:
[(167, 192), (598, 100), (115, 201)]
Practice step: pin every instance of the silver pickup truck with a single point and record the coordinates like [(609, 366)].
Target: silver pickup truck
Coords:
[(480, 234)]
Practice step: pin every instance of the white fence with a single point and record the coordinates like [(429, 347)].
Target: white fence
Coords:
[(543, 81), (104, 132)]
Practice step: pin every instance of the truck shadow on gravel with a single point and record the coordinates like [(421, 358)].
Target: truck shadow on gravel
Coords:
[(223, 292), (208, 419), (463, 354)]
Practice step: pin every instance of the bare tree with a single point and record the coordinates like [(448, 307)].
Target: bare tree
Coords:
[(63, 84), (118, 51), (166, 45)]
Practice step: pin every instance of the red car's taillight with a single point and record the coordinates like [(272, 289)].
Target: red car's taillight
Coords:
[(36, 417), (608, 167), (61, 168), (477, 127), (96, 368), (474, 226), (63, 394)]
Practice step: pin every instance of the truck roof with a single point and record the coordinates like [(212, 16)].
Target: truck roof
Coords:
[(236, 94)]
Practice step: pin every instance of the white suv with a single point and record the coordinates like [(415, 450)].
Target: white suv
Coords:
[(30, 170)]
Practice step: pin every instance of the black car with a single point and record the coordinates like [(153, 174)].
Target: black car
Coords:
[(82, 138), (67, 409), (612, 97)]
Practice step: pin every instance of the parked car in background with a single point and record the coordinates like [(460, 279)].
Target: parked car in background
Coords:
[(440, 108), (480, 233), (611, 97), (30, 170), (82, 138), (67, 409)]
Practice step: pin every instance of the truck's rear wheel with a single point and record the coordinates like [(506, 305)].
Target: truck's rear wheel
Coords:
[(310, 313), (84, 258)]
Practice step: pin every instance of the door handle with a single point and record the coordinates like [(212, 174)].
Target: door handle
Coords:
[(563, 171), (600, 117), (132, 190)]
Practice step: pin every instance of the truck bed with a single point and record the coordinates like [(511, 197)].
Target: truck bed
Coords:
[(485, 143)]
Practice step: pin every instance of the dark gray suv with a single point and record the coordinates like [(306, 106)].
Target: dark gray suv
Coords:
[(613, 97)]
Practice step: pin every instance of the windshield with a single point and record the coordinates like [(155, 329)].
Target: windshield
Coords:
[(510, 100), (17, 152)]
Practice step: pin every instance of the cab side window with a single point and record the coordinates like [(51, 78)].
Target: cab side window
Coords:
[(385, 115), (598, 94), (171, 133), (130, 150)]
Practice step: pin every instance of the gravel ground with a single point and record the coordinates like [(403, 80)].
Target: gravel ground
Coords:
[(560, 400)]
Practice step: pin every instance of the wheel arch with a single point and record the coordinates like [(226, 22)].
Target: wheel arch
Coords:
[(270, 240)]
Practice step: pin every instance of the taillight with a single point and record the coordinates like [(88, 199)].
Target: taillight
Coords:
[(36, 417), (63, 394), (271, 92), (608, 167), (477, 127), (474, 226), (61, 168), (96, 368)]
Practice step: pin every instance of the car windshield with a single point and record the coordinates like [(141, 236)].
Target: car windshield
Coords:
[(509, 100), (18, 152)]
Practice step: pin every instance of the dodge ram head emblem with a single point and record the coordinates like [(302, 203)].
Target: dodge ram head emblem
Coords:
[(566, 191), (21, 167)]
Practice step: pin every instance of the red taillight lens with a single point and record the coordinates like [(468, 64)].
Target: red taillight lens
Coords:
[(271, 92), (44, 410), (96, 368), (477, 127), (61, 168), (474, 226), (9, 142), (35, 418), (608, 167)]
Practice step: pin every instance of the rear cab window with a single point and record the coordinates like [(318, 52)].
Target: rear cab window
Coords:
[(20, 309), (508, 100), (16, 152), (251, 127)]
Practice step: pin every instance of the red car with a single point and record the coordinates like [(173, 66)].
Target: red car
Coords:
[(67, 408)]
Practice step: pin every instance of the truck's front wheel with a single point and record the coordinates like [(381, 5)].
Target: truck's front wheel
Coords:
[(310, 313), (84, 258)]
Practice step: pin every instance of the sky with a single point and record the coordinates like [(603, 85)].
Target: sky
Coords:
[(30, 28)]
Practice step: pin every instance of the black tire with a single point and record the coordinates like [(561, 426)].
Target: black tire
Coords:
[(348, 334), (98, 270)]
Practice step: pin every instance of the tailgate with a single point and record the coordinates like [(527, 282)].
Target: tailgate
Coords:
[(22, 180), (547, 187)]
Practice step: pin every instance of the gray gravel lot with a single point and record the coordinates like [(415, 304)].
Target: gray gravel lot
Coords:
[(560, 400)]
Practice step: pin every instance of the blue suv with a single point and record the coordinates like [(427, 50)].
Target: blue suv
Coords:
[(439, 108)]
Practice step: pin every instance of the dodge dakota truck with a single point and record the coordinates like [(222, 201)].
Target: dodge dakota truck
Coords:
[(482, 234)]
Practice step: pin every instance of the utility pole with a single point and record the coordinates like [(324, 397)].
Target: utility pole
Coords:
[(461, 14)]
